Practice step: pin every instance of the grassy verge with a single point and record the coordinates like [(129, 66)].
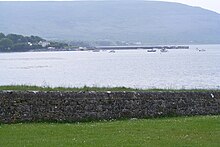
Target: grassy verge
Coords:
[(101, 89), (191, 131)]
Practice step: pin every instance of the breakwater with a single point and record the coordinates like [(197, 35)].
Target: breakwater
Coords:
[(139, 47), (85, 106)]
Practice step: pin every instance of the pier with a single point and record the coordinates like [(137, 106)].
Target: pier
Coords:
[(139, 47)]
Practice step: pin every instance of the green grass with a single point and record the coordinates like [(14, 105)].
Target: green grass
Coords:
[(182, 131), (100, 89)]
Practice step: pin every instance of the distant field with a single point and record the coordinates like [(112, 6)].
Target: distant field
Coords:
[(101, 89), (191, 131)]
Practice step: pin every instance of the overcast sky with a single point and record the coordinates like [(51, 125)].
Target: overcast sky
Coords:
[(213, 5)]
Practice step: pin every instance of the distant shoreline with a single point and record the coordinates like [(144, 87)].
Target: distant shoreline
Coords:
[(106, 48)]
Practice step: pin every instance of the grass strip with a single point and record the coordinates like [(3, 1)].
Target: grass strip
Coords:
[(98, 89), (180, 131)]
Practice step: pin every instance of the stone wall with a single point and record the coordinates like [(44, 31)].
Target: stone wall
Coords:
[(85, 106)]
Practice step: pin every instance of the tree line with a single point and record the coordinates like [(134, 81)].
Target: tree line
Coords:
[(20, 43)]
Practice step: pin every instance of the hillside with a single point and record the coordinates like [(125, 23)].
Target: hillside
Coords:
[(145, 21), (20, 43)]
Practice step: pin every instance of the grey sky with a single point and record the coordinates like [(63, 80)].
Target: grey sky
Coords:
[(213, 5)]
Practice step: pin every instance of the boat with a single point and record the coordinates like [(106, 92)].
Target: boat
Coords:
[(112, 51), (96, 50), (163, 50), (200, 50), (151, 50)]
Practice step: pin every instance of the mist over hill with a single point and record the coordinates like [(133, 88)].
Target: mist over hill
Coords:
[(145, 21)]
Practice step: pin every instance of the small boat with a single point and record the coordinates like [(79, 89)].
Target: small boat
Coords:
[(151, 50), (163, 50), (200, 50), (112, 51), (96, 50)]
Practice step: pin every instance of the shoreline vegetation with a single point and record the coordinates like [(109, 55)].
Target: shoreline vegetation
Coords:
[(96, 89), (19, 43)]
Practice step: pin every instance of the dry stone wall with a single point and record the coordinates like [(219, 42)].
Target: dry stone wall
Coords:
[(85, 106)]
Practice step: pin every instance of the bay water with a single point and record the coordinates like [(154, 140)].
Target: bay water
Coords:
[(174, 69)]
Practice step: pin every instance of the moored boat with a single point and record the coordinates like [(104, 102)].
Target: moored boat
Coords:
[(200, 50), (96, 50), (112, 51), (151, 50), (163, 50)]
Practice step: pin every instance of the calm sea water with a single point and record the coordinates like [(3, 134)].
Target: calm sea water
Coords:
[(129, 68)]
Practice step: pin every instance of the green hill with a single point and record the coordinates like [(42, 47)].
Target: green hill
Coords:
[(145, 21)]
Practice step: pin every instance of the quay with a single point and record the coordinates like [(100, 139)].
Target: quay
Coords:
[(139, 47)]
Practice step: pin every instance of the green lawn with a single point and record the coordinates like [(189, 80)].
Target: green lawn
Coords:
[(182, 131), (100, 89)]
